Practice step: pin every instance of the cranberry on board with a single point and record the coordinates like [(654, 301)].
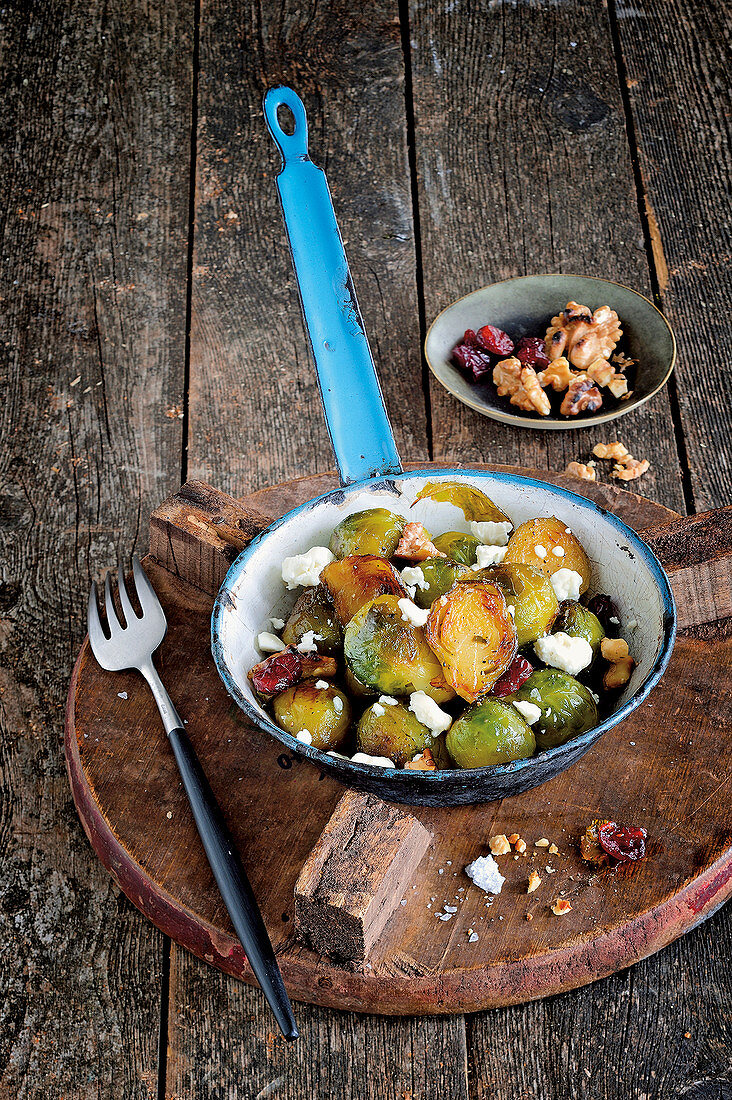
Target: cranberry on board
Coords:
[(495, 340), (622, 842), (472, 360), (515, 675), (531, 351)]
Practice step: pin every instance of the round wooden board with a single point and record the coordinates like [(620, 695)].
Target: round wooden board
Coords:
[(666, 768)]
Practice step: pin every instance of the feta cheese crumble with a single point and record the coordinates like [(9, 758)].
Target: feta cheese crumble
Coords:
[(377, 761), (426, 711), (388, 701), (566, 584), (558, 551), (540, 550), (337, 704), (277, 624), (489, 555), (529, 711), (270, 643), (492, 534), (413, 577), (378, 709), (322, 685), (415, 616), (305, 569), (307, 642), (485, 874), (305, 736), (562, 651)]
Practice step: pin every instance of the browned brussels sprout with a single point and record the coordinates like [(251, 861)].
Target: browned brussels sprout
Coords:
[(534, 543), (567, 706), (458, 546), (491, 732), (473, 634), (474, 504), (392, 731), (357, 579), (374, 531), (323, 713), (386, 652), (439, 575), (579, 622), (529, 593), (314, 611)]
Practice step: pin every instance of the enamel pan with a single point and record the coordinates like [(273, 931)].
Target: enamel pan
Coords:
[(371, 476)]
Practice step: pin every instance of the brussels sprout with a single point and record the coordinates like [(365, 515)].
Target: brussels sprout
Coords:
[(314, 611), (325, 713), (440, 575), (531, 595), (474, 504), (458, 546), (375, 531), (546, 536), (491, 732), (473, 634), (385, 652), (357, 579), (567, 706), (579, 622), (392, 731), (355, 688)]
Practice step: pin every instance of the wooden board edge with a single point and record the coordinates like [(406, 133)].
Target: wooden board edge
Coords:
[(446, 994)]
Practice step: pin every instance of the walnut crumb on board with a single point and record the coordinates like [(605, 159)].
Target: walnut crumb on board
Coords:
[(560, 907), (553, 850), (581, 470), (630, 469), (499, 845), (611, 451), (534, 882)]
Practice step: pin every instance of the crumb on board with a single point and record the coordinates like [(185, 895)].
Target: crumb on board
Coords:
[(534, 882), (543, 843), (560, 906), (499, 845), (553, 850)]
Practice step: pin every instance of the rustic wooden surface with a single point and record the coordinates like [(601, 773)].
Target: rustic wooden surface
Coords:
[(133, 808), (99, 102)]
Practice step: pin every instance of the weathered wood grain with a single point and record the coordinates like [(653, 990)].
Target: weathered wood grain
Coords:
[(255, 413), (676, 59), (96, 104), (523, 167)]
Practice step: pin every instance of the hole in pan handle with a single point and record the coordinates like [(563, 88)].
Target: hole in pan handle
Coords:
[(352, 399)]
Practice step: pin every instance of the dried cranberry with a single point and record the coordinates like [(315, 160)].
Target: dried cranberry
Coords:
[(605, 610), (495, 340), (471, 359), (531, 351), (277, 673), (515, 675), (470, 338), (623, 842)]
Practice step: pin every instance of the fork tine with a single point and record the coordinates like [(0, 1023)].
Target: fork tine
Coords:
[(114, 623), (127, 608), (145, 592), (94, 623)]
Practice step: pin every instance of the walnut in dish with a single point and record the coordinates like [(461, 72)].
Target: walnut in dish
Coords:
[(582, 335)]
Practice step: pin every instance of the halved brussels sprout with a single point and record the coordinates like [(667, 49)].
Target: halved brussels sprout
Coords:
[(567, 706), (474, 504), (325, 713), (356, 688), (534, 543), (386, 652), (374, 531), (491, 732), (392, 731), (579, 622), (440, 575), (357, 579), (531, 595), (314, 611), (458, 546), (473, 634)]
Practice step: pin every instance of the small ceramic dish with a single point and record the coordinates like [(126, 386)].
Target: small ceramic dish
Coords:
[(524, 307)]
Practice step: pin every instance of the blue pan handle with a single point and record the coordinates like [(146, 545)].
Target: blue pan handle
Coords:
[(352, 399)]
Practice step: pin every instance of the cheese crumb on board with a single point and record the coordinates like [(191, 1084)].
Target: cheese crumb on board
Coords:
[(534, 882), (485, 874), (499, 845)]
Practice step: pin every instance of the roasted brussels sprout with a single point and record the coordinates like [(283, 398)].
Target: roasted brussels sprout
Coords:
[(324, 713), (579, 622), (440, 575), (458, 546), (474, 504), (356, 688), (473, 634), (529, 593), (392, 731), (314, 611), (357, 579), (385, 652), (567, 706), (374, 531), (534, 543), (491, 732)]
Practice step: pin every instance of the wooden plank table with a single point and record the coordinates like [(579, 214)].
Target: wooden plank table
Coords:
[(151, 332)]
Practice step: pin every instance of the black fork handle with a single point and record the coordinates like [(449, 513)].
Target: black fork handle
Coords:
[(232, 881)]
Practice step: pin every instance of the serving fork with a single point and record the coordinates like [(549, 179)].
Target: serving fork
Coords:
[(132, 645)]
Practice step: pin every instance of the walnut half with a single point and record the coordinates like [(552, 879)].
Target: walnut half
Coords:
[(582, 396), (583, 336)]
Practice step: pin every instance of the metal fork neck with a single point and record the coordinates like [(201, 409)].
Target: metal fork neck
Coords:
[(168, 713)]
